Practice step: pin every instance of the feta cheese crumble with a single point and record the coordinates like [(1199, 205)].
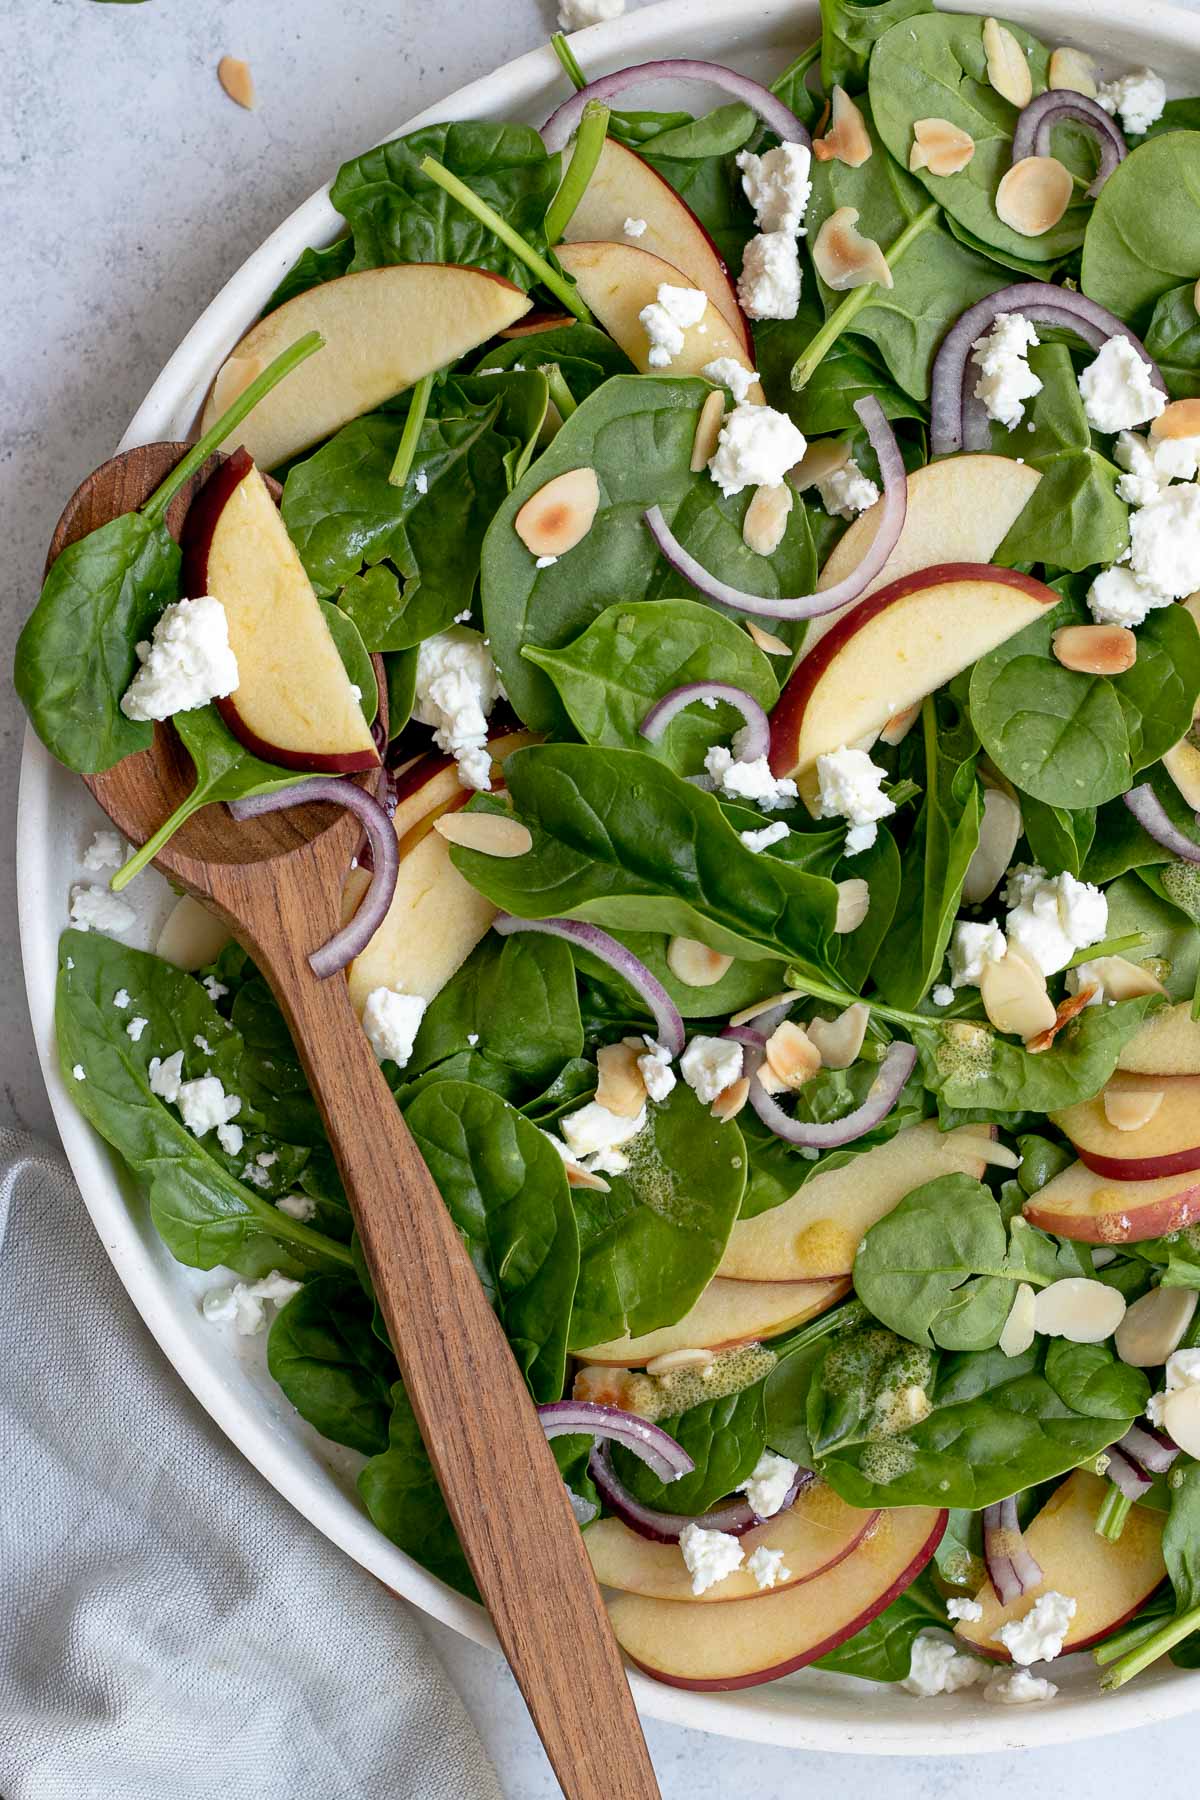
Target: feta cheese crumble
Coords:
[(301, 1207), (666, 319), (634, 228), (709, 1065), (104, 852), (1006, 380), (96, 909), (938, 1666), (709, 1555), (1182, 1371), (1164, 542), (846, 492), (778, 186), (655, 1070), (1018, 1688), (1116, 389), (727, 372), (1038, 1635), (1138, 97), (1050, 918), (762, 840), (754, 781), (851, 787), (456, 688), (216, 990), (971, 946), (769, 284), (391, 1021), (756, 448), (135, 1028), (187, 663), (768, 1567), (79, 1072), (121, 999), (970, 1610), (593, 1130), (545, 562), (1118, 597), (769, 1484), (942, 995), (244, 1303)]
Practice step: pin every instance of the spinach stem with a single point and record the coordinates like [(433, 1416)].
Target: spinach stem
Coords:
[(1133, 940), (1151, 1648), (560, 393), (406, 449), (589, 146), (1115, 1508), (552, 278), (247, 400), (1139, 1632), (822, 990), (841, 318), (566, 56), (153, 844)]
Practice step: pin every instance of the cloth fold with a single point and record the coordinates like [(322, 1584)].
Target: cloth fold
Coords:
[(170, 1627)]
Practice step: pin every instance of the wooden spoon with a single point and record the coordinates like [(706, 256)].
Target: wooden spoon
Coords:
[(277, 882)]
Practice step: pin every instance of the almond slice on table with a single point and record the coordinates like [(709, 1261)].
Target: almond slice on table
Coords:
[(492, 834), (695, 964), (1014, 996), (838, 1041), (999, 829), (1154, 1326), (1033, 195), (853, 904), (1179, 419), (235, 77), (1007, 64), (1095, 649), (620, 1088), (708, 430), (1130, 1111), (560, 514), (767, 642), (730, 1101), (766, 518), (846, 137), (1073, 69), (843, 258), (1078, 1309), (940, 146), (1067, 1009), (792, 1057)]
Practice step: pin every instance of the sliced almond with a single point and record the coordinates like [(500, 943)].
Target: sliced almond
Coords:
[(671, 1360), (1073, 69), (1130, 1111), (1121, 979), (1082, 1311), (766, 518), (900, 724), (1095, 649), (628, 1389), (769, 1081), (768, 643), (838, 1041), (1180, 419), (620, 1088), (579, 1177), (970, 1140), (559, 515), (759, 1007), (999, 829), (730, 1101), (791, 1055), (846, 137), (1033, 195), (1066, 1010), (853, 905), (1014, 996), (235, 77), (695, 964), (1018, 1332), (1007, 64), (1181, 1419), (823, 458), (490, 833), (843, 258), (1154, 1326), (708, 430), (940, 146)]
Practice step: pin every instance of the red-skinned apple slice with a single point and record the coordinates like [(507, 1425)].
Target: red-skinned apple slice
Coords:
[(1095, 1209), (617, 280), (815, 1235), (293, 704), (752, 1641), (1167, 1044), (624, 186), (383, 329), (726, 1314), (819, 1531), (428, 786), (1108, 1581), (1168, 1144), (907, 640)]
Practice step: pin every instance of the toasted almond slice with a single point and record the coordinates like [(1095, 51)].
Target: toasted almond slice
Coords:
[(1154, 1326), (900, 724), (1015, 998), (1129, 1112), (791, 1055), (1080, 1310), (843, 258), (1180, 419), (823, 458), (768, 643), (940, 146), (671, 1360), (1007, 64), (708, 430), (730, 1101), (1181, 1419), (853, 904), (1095, 649), (1018, 1332), (695, 964), (1033, 195), (490, 833), (999, 829), (579, 1177), (620, 1088), (759, 1007), (846, 136), (766, 518), (769, 1081), (1066, 1010), (559, 515), (838, 1041), (235, 77), (1074, 69), (627, 1388), (1121, 979)]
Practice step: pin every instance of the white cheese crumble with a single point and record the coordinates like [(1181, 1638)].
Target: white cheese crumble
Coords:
[(244, 1303), (756, 448), (709, 1065), (1018, 1688), (96, 909), (851, 787), (1116, 389), (762, 840), (121, 999), (971, 947), (216, 990), (939, 1667), (709, 1555), (1139, 98), (135, 1028), (1051, 917), (942, 995), (1118, 597), (769, 1484), (391, 1021), (1164, 542), (1182, 1371), (593, 1129), (187, 663), (768, 1567), (104, 852), (754, 781), (727, 372), (1006, 380), (79, 1072), (846, 492), (769, 284), (778, 186), (255, 1176), (203, 1103), (634, 228), (545, 562), (667, 318), (456, 688), (970, 1610), (655, 1069), (1038, 1635), (297, 1206)]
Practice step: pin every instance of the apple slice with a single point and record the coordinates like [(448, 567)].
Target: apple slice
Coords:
[(1168, 1144), (727, 1313), (959, 510), (752, 1641), (1095, 1209), (817, 1232), (191, 935), (383, 329), (1167, 1044), (617, 280), (293, 704), (624, 186), (1108, 1581), (889, 651), (434, 922), (819, 1530)]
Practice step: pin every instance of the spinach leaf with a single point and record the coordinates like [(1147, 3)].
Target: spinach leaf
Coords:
[(612, 1007), (1158, 695), (269, 1075), (1172, 942), (725, 1438), (882, 1650), (585, 356), (1143, 237), (879, 867), (331, 1366), (574, 1084), (1090, 1379), (513, 1000), (400, 1491), (310, 270), (1072, 519), (845, 375), (1173, 340), (786, 1392), (609, 677), (850, 29), (620, 840), (464, 1065), (400, 668), (398, 215), (505, 1189), (1058, 839), (1041, 1160)]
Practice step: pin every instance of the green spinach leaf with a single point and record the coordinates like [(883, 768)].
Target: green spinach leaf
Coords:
[(1173, 340), (850, 29), (514, 1001), (1143, 237), (400, 1491), (725, 1438), (882, 1650), (310, 270), (1090, 1379), (331, 1366)]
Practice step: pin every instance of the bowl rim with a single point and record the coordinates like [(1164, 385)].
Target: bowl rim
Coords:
[(830, 1717)]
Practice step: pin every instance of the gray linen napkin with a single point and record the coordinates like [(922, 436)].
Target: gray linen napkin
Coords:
[(169, 1627)]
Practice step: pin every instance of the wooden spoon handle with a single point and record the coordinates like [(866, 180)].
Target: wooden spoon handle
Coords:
[(502, 1485)]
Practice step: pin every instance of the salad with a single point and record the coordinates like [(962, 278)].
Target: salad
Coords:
[(741, 568)]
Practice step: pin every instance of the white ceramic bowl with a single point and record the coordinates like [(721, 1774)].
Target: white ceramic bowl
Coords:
[(228, 1375)]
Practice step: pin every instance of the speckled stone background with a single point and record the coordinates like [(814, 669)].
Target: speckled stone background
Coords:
[(130, 189)]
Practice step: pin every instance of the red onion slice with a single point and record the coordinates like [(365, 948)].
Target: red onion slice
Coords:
[(1148, 1450), (668, 1024), (754, 739), (562, 125), (882, 1096), (1012, 1569), (1151, 815), (735, 1516), (654, 1446), (957, 421), (329, 790), (894, 506), (1031, 136), (1129, 1481)]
